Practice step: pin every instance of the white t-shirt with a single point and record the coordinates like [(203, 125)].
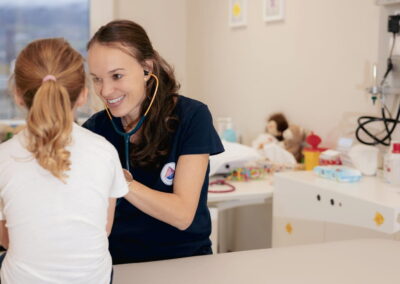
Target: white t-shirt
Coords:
[(58, 231)]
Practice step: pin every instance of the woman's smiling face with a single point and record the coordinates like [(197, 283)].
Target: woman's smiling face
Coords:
[(118, 78)]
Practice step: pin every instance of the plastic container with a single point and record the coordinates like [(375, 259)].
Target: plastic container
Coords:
[(311, 155), (311, 159), (338, 173), (229, 134), (221, 125), (364, 158), (330, 157), (391, 166)]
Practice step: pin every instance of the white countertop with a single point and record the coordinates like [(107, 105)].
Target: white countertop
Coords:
[(367, 261), (244, 190)]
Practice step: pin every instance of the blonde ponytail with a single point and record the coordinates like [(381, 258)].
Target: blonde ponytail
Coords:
[(49, 77), (49, 124)]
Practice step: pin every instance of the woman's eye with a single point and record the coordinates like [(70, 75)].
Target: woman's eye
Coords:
[(117, 76), (96, 80)]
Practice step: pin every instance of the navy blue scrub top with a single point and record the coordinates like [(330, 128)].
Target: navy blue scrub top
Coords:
[(136, 236)]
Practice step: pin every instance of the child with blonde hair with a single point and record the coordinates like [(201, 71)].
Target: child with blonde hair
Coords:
[(58, 181)]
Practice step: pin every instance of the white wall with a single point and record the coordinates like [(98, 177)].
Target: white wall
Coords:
[(313, 66), (165, 24), (101, 12)]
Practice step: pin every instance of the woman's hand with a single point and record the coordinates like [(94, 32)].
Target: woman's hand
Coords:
[(4, 239), (128, 176)]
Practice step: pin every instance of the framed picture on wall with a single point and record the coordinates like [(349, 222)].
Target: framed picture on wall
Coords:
[(273, 10), (237, 13)]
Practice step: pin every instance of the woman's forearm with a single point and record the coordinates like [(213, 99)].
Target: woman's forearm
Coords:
[(166, 207), (179, 207)]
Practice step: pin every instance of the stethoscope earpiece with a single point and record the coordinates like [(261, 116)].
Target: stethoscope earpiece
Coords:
[(147, 75)]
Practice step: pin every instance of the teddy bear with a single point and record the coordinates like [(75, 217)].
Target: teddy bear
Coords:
[(293, 140)]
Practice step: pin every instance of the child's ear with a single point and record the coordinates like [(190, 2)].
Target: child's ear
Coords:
[(82, 97), (18, 98)]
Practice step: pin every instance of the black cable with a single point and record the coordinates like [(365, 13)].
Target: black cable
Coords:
[(364, 120), (389, 66), (386, 108)]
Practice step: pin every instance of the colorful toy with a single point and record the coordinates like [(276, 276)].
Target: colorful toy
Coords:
[(262, 170), (338, 173), (246, 174)]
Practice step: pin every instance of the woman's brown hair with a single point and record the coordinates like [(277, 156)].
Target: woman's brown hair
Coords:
[(154, 142), (49, 77)]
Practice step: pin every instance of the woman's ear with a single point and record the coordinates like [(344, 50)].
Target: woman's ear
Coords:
[(82, 99), (148, 69)]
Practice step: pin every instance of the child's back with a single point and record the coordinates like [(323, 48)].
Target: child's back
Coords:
[(57, 230), (58, 181)]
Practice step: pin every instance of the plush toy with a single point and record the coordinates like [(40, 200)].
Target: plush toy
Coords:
[(276, 125), (262, 140), (293, 139), (280, 134)]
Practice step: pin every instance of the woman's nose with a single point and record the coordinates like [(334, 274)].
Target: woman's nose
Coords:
[(106, 89)]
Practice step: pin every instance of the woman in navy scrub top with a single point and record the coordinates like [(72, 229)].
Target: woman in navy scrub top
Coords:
[(165, 214)]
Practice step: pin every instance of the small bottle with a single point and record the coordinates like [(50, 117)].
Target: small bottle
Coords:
[(221, 125), (392, 165), (229, 133)]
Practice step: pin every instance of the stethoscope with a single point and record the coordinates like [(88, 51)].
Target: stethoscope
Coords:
[(229, 186), (127, 135)]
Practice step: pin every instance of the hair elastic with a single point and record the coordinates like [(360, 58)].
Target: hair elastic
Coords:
[(49, 77)]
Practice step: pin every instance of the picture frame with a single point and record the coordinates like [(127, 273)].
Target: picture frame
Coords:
[(237, 13), (273, 10)]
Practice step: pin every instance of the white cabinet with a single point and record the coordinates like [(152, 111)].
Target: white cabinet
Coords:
[(309, 209)]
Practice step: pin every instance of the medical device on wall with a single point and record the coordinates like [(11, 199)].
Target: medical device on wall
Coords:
[(379, 91)]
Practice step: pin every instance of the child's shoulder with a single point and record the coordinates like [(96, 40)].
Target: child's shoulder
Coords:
[(10, 144), (89, 137), (10, 149), (90, 141)]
